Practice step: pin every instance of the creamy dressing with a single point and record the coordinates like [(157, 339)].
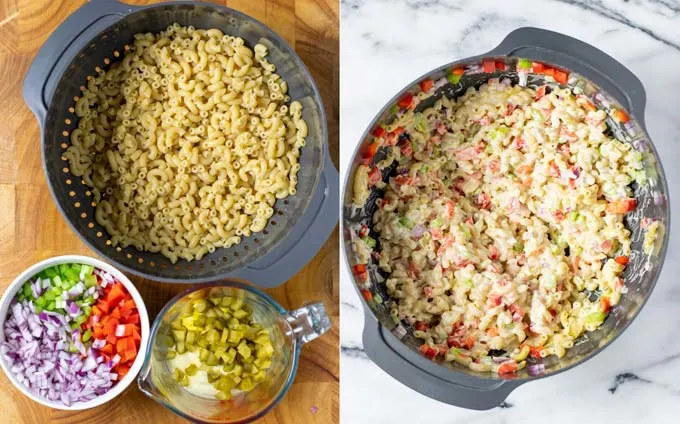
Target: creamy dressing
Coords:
[(198, 383)]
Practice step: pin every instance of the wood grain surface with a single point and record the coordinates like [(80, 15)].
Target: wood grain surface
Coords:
[(31, 228)]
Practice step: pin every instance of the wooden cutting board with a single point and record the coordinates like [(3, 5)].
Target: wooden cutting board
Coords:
[(32, 229)]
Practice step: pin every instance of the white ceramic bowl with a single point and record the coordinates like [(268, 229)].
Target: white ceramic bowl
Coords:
[(118, 388)]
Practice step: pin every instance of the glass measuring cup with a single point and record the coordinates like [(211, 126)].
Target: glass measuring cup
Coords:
[(289, 330)]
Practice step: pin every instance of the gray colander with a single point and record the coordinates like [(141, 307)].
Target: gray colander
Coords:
[(392, 346), (94, 36)]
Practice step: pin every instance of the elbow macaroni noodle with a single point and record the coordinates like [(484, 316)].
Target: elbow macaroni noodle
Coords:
[(187, 142), (503, 227)]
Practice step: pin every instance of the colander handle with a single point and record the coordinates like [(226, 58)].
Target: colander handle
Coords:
[(428, 378), (573, 54), (62, 46), (306, 237)]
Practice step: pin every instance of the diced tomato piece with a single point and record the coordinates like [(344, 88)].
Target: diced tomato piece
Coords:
[(469, 342), (95, 310), (500, 65), (403, 180), (103, 306), (110, 325), (426, 85), (369, 153), (507, 367), (552, 312), (122, 371), (458, 71), (132, 319), (359, 268), (107, 349), (405, 101), (422, 326), (518, 144), (620, 115), (537, 67), (374, 176), (367, 295), (535, 351), (363, 231), (561, 76), (428, 351), (558, 215), (554, 170), (489, 66), (116, 295), (623, 260), (621, 206), (136, 336), (549, 72), (436, 234), (605, 305), (607, 246), (540, 91), (378, 131), (115, 313)]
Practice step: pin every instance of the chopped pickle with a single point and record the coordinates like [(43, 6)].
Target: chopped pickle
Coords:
[(220, 395), (191, 370), (230, 347), (246, 384)]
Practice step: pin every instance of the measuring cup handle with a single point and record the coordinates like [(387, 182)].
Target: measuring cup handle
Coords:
[(309, 322), (589, 61)]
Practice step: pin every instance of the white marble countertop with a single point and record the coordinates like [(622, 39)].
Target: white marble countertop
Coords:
[(385, 44)]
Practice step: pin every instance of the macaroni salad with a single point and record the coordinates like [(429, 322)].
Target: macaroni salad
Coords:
[(502, 231)]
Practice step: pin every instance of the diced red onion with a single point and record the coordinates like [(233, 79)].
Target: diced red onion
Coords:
[(536, 369)]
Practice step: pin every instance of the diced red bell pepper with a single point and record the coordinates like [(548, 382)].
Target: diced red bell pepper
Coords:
[(135, 335), (540, 91), (620, 116), (405, 101), (107, 349), (426, 85), (367, 295), (116, 295), (369, 153), (535, 351), (132, 319), (537, 67), (378, 131), (605, 305), (549, 72), (507, 367), (623, 260), (359, 268), (458, 71), (428, 351), (621, 206), (422, 326), (500, 65), (561, 76), (489, 66), (374, 176)]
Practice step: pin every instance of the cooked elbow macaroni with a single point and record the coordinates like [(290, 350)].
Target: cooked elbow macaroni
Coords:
[(187, 142), (502, 230)]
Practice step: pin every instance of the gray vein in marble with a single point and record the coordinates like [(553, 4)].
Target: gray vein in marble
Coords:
[(625, 378), (353, 352), (600, 9), (349, 305), (505, 405)]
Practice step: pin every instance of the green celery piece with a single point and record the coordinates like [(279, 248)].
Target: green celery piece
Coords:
[(51, 306), (595, 317), (436, 223), (51, 272), (27, 290), (90, 280), (405, 222), (453, 78), (74, 325), (41, 302), (86, 335), (71, 274), (370, 242), (87, 269), (63, 268), (524, 64), (57, 282), (49, 294)]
